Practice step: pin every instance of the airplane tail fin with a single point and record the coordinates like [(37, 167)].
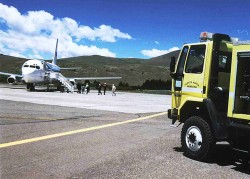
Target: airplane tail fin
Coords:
[(55, 56)]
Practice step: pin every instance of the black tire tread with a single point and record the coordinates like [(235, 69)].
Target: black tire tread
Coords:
[(207, 137)]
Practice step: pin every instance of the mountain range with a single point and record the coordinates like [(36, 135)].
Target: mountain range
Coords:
[(133, 71)]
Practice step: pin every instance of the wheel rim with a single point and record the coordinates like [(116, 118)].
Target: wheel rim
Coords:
[(193, 138)]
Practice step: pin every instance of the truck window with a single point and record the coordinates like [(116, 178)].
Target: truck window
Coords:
[(195, 59), (182, 60), (225, 62)]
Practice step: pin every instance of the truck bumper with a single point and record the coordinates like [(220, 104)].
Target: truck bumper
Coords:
[(173, 114)]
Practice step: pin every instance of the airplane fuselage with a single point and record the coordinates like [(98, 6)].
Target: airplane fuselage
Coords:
[(41, 72), (37, 72)]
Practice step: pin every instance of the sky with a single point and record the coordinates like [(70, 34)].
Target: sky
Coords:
[(115, 28)]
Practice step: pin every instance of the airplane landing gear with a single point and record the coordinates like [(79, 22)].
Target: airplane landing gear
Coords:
[(30, 87)]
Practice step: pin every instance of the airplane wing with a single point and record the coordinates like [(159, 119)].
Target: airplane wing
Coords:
[(11, 74), (73, 68), (97, 78)]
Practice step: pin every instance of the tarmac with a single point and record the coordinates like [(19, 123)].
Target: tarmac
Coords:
[(122, 102), (76, 136)]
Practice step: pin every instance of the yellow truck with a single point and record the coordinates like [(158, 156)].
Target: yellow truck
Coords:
[(211, 94)]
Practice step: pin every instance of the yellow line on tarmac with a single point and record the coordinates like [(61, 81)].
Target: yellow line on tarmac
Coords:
[(9, 144)]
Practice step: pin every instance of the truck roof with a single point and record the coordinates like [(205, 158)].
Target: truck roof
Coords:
[(247, 42)]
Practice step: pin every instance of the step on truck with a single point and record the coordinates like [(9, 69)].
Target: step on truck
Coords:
[(211, 94)]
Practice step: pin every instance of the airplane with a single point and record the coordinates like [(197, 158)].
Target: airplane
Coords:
[(41, 72)]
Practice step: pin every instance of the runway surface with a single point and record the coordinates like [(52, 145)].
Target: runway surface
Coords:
[(122, 102), (54, 135)]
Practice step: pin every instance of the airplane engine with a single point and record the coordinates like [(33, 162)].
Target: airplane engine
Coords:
[(72, 81), (11, 80)]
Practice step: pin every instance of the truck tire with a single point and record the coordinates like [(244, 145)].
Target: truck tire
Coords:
[(197, 138)]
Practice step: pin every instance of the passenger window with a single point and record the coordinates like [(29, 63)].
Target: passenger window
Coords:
[(182, 60), (26, 66), (195, 59)]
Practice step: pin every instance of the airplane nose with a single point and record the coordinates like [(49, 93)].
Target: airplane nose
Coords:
[(28, 75), (27, 71)]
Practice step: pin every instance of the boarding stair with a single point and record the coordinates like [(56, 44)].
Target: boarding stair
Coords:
[(66, 82)]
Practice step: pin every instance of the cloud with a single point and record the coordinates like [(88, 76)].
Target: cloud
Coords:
[(155, 52), (245, 32), (14, 54), (37, 31), (156, 42)]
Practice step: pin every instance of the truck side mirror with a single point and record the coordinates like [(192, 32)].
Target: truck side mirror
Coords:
[(172, 67), (172, 64)]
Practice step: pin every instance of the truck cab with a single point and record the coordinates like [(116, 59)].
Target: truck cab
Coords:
[(210, 92)]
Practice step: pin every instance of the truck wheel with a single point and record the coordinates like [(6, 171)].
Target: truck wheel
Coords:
[(196, 138)]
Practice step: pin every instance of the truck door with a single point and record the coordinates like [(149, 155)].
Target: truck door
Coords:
[(240, 90), (189, 73)]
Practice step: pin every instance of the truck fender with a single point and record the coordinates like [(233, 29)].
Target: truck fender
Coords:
[(219, 125)]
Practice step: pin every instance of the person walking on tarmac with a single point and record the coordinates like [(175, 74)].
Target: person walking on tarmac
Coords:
[(87, 87), (104, 88), (82, 89), (113, 90), (100, 89), (78, 88)]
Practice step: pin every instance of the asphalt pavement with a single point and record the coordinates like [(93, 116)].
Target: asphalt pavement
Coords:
[(56, 135)]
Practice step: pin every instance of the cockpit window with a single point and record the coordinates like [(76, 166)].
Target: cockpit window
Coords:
[(37, 67), (32, 66)]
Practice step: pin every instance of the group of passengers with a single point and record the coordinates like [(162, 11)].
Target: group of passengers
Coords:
[(81, 89), (85, 89)]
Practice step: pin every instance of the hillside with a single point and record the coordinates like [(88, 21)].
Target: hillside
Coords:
[(11, 64), (164, 60), (133, 71)]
